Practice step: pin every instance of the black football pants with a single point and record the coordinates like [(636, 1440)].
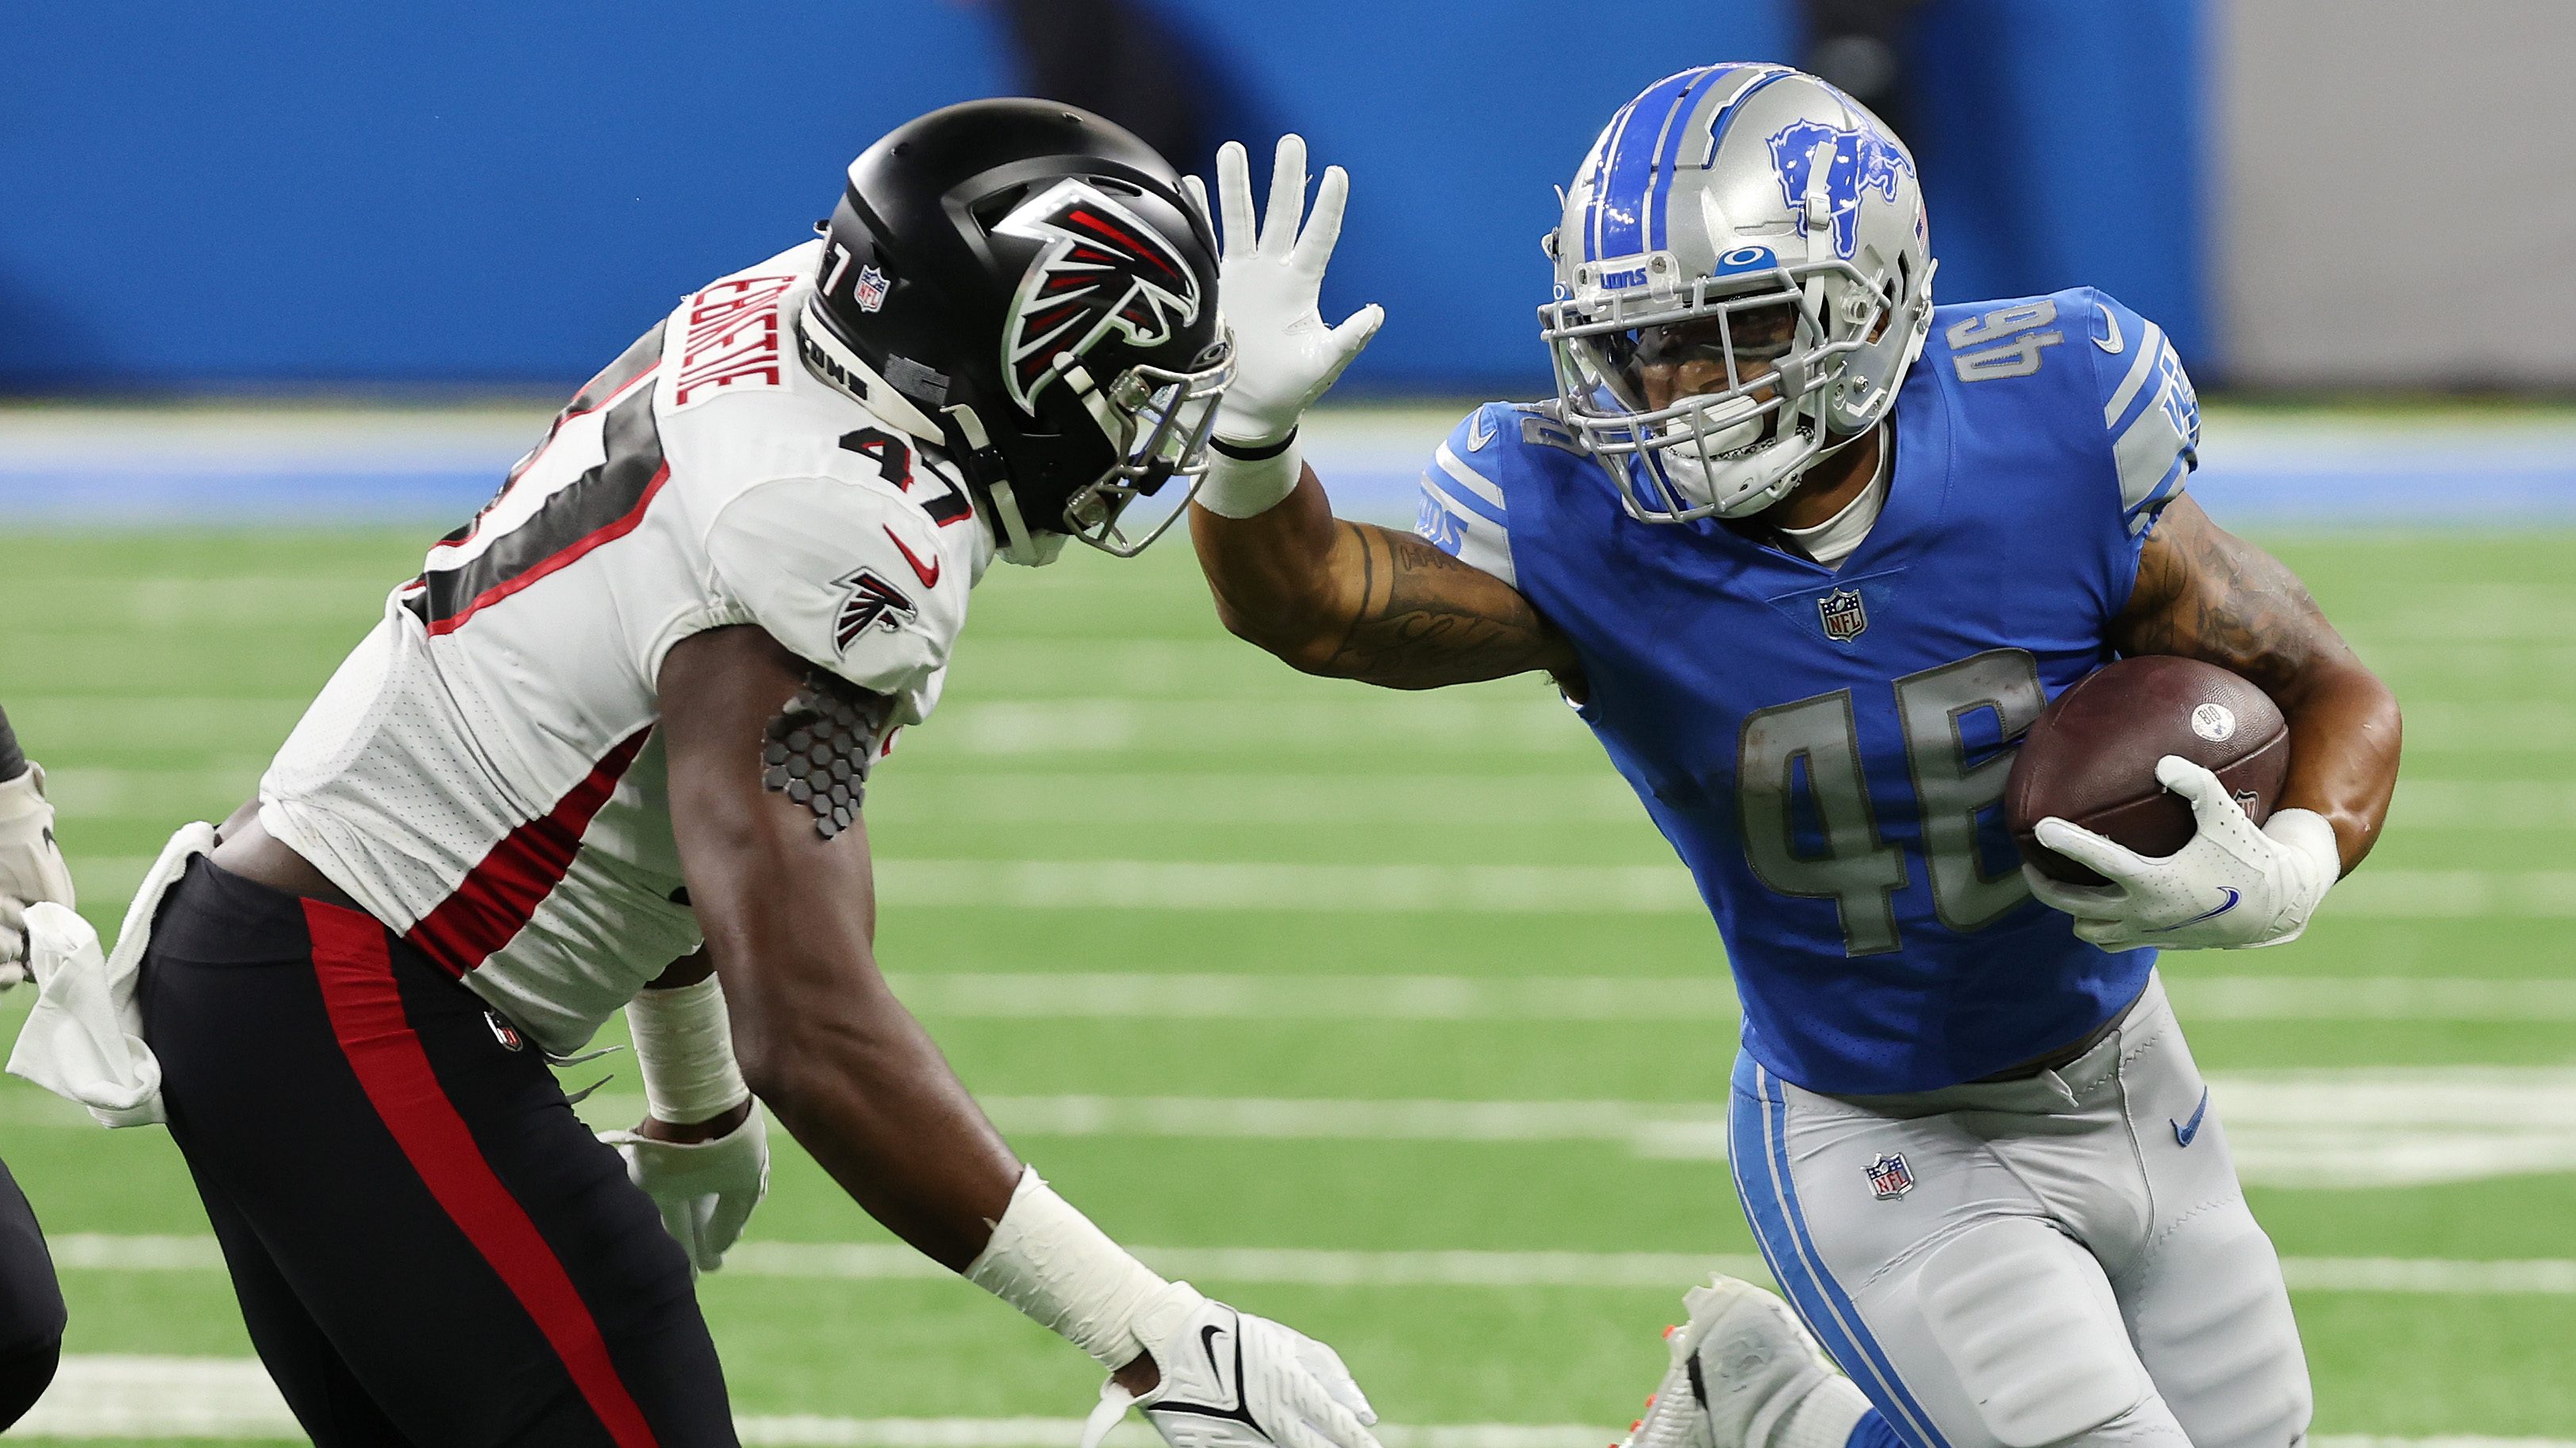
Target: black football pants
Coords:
[(430, 1249), (31, 1306)]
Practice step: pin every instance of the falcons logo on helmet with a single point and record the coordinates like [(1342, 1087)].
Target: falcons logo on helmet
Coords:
[(870, 602), (1099, 268)]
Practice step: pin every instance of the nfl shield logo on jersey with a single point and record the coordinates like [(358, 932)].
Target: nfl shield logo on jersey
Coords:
[(870, 289), (1843, 615), (1890, 1177)]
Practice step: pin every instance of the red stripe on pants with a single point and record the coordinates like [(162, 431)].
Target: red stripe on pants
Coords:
[(355, 968)]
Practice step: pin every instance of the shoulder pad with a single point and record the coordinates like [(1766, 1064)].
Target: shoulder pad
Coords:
[(845, 573)]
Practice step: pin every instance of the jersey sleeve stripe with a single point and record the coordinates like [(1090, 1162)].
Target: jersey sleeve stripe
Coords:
[(2151, 456), (1449, 527), (2150, 343), (602, 505), (1459, 499), (1470, 482)]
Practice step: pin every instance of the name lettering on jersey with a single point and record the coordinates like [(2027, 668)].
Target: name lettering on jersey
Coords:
[(867, 602), (732, 339)]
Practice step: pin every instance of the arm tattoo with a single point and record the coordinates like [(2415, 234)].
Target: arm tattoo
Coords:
[(2207, 595), (819, 748), (1425, 620)]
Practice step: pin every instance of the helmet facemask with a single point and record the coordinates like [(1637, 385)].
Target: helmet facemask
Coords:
[(1157, 423), (1712, 400)]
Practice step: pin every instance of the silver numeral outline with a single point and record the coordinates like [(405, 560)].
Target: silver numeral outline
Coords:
[(1860, 871), (2017, 357)]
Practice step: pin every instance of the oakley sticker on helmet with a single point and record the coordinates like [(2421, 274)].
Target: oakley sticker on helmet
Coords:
[(1858, 160), (1098, 268)]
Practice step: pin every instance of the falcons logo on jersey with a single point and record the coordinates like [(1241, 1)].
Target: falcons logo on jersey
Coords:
[(1098, 268), (868, 602)]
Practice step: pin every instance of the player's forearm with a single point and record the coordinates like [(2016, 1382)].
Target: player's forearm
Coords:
[(1273, 575), (693, 1087), (2345, 733), (862, 1087), (1356, 601)]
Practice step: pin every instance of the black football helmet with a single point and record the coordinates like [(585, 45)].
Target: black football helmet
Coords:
[(1026, 285)]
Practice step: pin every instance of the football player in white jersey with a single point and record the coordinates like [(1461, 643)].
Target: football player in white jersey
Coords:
[(31, 873), (608, 751)]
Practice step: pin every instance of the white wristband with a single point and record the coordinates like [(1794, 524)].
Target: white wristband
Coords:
[(684, 1046), (1050, 1262), (1239, 489)]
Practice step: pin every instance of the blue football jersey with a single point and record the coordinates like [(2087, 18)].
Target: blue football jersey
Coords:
[(1826, 747)]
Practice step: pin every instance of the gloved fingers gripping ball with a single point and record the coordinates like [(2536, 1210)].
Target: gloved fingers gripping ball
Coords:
[(2232, 885)]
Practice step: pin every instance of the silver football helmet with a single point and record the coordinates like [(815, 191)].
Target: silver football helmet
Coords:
[(1743, 276)]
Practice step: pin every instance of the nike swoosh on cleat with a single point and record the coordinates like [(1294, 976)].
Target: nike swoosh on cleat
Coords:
[(929, 576), (2116, 345), (2184, 1131), (2232, 898)]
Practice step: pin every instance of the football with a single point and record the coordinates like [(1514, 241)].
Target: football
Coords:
[(2091, 757)]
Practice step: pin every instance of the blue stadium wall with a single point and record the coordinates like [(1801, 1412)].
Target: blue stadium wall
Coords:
[(480, 193)]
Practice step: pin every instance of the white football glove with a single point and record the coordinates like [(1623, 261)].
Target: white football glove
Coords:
[(2232, 886), (1233, 1380), (31, 866), (706, 1189), (1269, 284)]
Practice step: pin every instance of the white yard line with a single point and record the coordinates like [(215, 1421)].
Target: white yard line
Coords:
[(1325, 1267), (118, 1396)]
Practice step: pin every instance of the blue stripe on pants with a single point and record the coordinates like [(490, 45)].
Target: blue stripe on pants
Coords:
[(1760, 1154)]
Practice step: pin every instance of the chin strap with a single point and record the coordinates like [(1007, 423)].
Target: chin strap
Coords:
[(986, 473)]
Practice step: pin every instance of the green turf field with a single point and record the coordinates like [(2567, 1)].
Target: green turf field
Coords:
[(1374, 911)]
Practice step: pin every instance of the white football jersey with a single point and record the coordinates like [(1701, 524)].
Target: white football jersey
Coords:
[(483, 775)]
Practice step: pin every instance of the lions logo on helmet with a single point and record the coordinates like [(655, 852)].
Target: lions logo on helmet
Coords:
[(1100, 268), (1857, 159)]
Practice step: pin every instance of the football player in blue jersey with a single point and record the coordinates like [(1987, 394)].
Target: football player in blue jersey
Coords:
[(1809, 553)]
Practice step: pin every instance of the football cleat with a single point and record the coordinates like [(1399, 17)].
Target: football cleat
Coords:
[(1740, 1364)]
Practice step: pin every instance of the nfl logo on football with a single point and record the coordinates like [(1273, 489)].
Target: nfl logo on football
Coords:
[(1890, 1177), (869, 291), (1843, 616)]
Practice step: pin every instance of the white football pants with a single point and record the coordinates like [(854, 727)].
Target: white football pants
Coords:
[(2066, 1259)]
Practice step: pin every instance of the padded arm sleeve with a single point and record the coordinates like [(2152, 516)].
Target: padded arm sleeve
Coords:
[(2150, 414), (846, 577)]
